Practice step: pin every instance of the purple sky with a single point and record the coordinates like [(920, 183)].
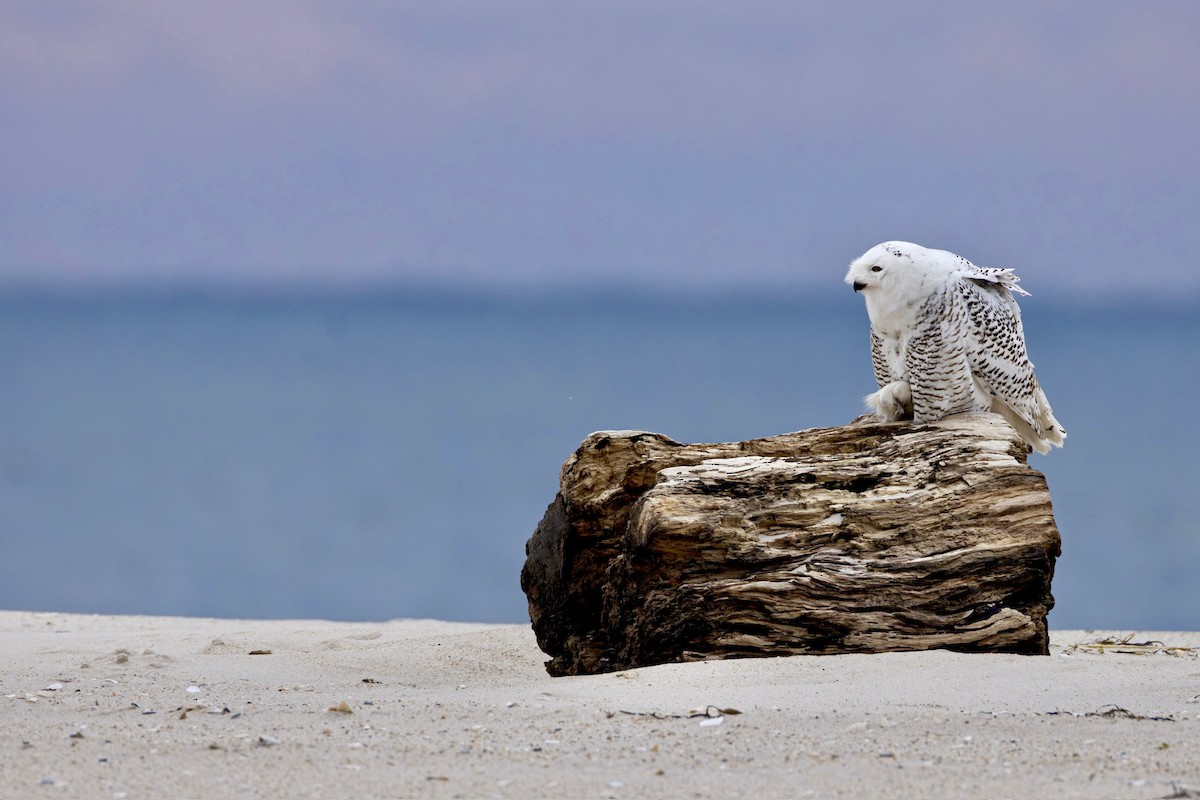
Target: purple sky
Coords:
[(546, 144)]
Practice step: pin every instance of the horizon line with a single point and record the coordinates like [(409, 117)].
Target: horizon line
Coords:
[(549, 294)]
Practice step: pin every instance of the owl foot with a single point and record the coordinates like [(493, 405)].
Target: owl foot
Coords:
[(893, 402)]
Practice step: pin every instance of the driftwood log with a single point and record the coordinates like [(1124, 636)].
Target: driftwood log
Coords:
[(864, 538)]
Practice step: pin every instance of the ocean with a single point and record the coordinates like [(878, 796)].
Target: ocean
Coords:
[(373, 456)]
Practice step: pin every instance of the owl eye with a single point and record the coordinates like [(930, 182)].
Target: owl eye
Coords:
[(876, 268)]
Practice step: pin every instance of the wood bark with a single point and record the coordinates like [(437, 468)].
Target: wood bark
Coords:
[(869, 537)]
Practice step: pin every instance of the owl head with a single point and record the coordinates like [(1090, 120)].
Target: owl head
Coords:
[(888, 266), (901, 273)]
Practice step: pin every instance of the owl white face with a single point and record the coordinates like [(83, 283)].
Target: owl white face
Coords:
[(885, 266), (895, 278)]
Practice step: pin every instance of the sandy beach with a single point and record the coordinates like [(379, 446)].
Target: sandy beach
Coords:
[(154, 707)]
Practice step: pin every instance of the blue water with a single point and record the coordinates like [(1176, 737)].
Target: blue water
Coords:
[(361, 457)]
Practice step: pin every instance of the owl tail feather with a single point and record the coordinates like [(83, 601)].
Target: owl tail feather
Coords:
[(1040, 433)]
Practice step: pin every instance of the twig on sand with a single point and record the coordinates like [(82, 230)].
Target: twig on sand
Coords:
[(1109, 712), (692, 713), (1127, 646)]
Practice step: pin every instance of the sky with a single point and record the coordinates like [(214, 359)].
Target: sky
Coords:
[(529, 145)]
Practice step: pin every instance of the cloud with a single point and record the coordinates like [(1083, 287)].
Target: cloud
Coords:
[(625, 69), (561, 141)]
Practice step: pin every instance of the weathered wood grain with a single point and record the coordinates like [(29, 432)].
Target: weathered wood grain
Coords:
[(863, 538)]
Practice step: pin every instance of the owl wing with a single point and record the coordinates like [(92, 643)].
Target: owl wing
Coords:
[(997, 352), (883, 373), (996, 276), (937, 359)]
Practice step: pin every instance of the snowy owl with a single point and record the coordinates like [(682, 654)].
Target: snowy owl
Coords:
[(946, 337)]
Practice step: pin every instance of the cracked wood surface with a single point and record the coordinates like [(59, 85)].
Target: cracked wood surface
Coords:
[(863, 538)]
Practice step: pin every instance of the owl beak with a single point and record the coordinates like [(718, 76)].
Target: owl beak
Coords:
[(859, 286)]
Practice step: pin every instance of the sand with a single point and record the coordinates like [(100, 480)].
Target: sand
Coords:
[(156, 707)]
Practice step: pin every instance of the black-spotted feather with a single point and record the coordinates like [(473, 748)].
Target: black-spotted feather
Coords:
[(937, 360)]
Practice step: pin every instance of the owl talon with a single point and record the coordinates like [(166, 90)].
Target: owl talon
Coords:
[(893, 402)]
